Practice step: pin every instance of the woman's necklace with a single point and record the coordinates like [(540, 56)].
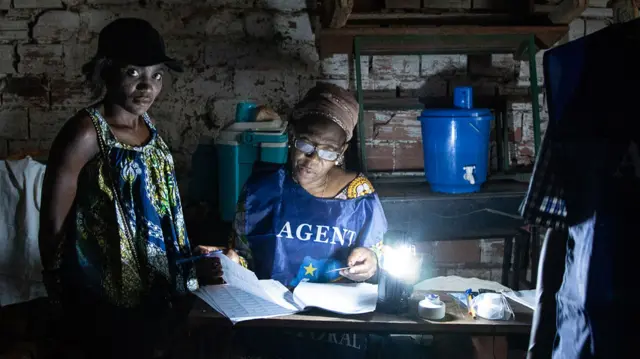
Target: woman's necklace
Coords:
[(326, 180), (324, 187)]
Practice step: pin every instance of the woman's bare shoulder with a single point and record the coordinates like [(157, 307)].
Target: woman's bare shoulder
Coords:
[(76, 141)]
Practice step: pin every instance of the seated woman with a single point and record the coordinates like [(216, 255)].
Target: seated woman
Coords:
[(111, 225), (298, 222)]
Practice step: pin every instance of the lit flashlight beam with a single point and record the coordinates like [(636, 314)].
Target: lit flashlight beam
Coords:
[(401, 262)]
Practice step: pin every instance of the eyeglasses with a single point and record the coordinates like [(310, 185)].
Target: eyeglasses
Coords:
[(309, 148)]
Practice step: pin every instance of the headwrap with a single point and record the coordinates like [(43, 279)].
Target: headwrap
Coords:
[(332, 102)]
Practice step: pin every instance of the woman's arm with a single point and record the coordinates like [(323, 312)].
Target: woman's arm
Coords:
[(550, 275), (238, 243), (365, 257), (74, 146), (237, 250)]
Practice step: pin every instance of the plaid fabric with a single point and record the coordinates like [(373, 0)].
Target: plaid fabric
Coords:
[(544, 203), (589, 121)]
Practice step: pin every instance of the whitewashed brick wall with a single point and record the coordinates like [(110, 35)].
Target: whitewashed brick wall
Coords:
[(235, 50)]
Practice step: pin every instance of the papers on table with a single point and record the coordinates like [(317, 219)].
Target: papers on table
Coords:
[(239, 304), (457, 284), (244, 297), (524, 297), (348, 298)]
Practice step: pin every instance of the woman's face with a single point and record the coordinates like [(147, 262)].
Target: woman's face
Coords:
[(324, 134), (135, 88)]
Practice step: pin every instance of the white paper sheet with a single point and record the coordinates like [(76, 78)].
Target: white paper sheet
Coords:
[(349, 298), (524, 297), (239, 305), (244, 297), (457, 284), (238, 276), (280, 294)]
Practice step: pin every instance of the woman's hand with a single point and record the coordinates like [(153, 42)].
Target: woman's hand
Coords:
[(363, 263), (210, 269)]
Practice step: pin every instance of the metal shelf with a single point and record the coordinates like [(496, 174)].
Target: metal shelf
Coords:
[(409, 203), (411, 206), (414, 188), (522, 41)]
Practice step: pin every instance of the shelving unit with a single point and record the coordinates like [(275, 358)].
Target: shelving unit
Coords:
[(521, 41), (409, 204)]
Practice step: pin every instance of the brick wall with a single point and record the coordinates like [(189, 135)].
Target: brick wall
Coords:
[(233, 50), (236, 50)]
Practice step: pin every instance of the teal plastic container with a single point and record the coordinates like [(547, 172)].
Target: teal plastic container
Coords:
[(238, 149), (246, 111)]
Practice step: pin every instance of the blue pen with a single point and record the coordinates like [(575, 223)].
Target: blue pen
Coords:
[(195, 258)]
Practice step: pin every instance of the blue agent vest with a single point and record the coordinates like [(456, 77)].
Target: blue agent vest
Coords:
[(296, 237)]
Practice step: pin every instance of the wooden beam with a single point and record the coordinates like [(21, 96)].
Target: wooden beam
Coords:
[(521, 8), (543, 8), (567, 10), (429, 17), (442, 39), (357, 20), (445, 30), (335, 13), (402, 4), (450, 19)]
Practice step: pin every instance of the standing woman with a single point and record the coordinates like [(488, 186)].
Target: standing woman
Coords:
[(299, 222), (111, 226)]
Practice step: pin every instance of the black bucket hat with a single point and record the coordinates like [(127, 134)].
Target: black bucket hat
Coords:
[(135, 42)]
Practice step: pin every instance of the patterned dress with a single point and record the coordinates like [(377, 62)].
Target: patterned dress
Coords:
[(100, 253)]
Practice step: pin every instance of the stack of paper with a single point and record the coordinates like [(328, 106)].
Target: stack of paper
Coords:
[(525, 297), (244, 297)]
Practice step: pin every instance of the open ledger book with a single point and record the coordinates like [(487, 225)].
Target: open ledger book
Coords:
[(244, 297)]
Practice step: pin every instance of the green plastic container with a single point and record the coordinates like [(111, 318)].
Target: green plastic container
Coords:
[(239, 146)]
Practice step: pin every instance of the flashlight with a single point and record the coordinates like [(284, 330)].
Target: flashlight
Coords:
[(399, 270), (400, 261)]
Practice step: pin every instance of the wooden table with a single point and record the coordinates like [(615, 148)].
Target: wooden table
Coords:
[(457, 321)]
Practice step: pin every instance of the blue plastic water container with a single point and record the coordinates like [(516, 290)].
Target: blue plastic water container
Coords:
[(238, 148), (456, 145)]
